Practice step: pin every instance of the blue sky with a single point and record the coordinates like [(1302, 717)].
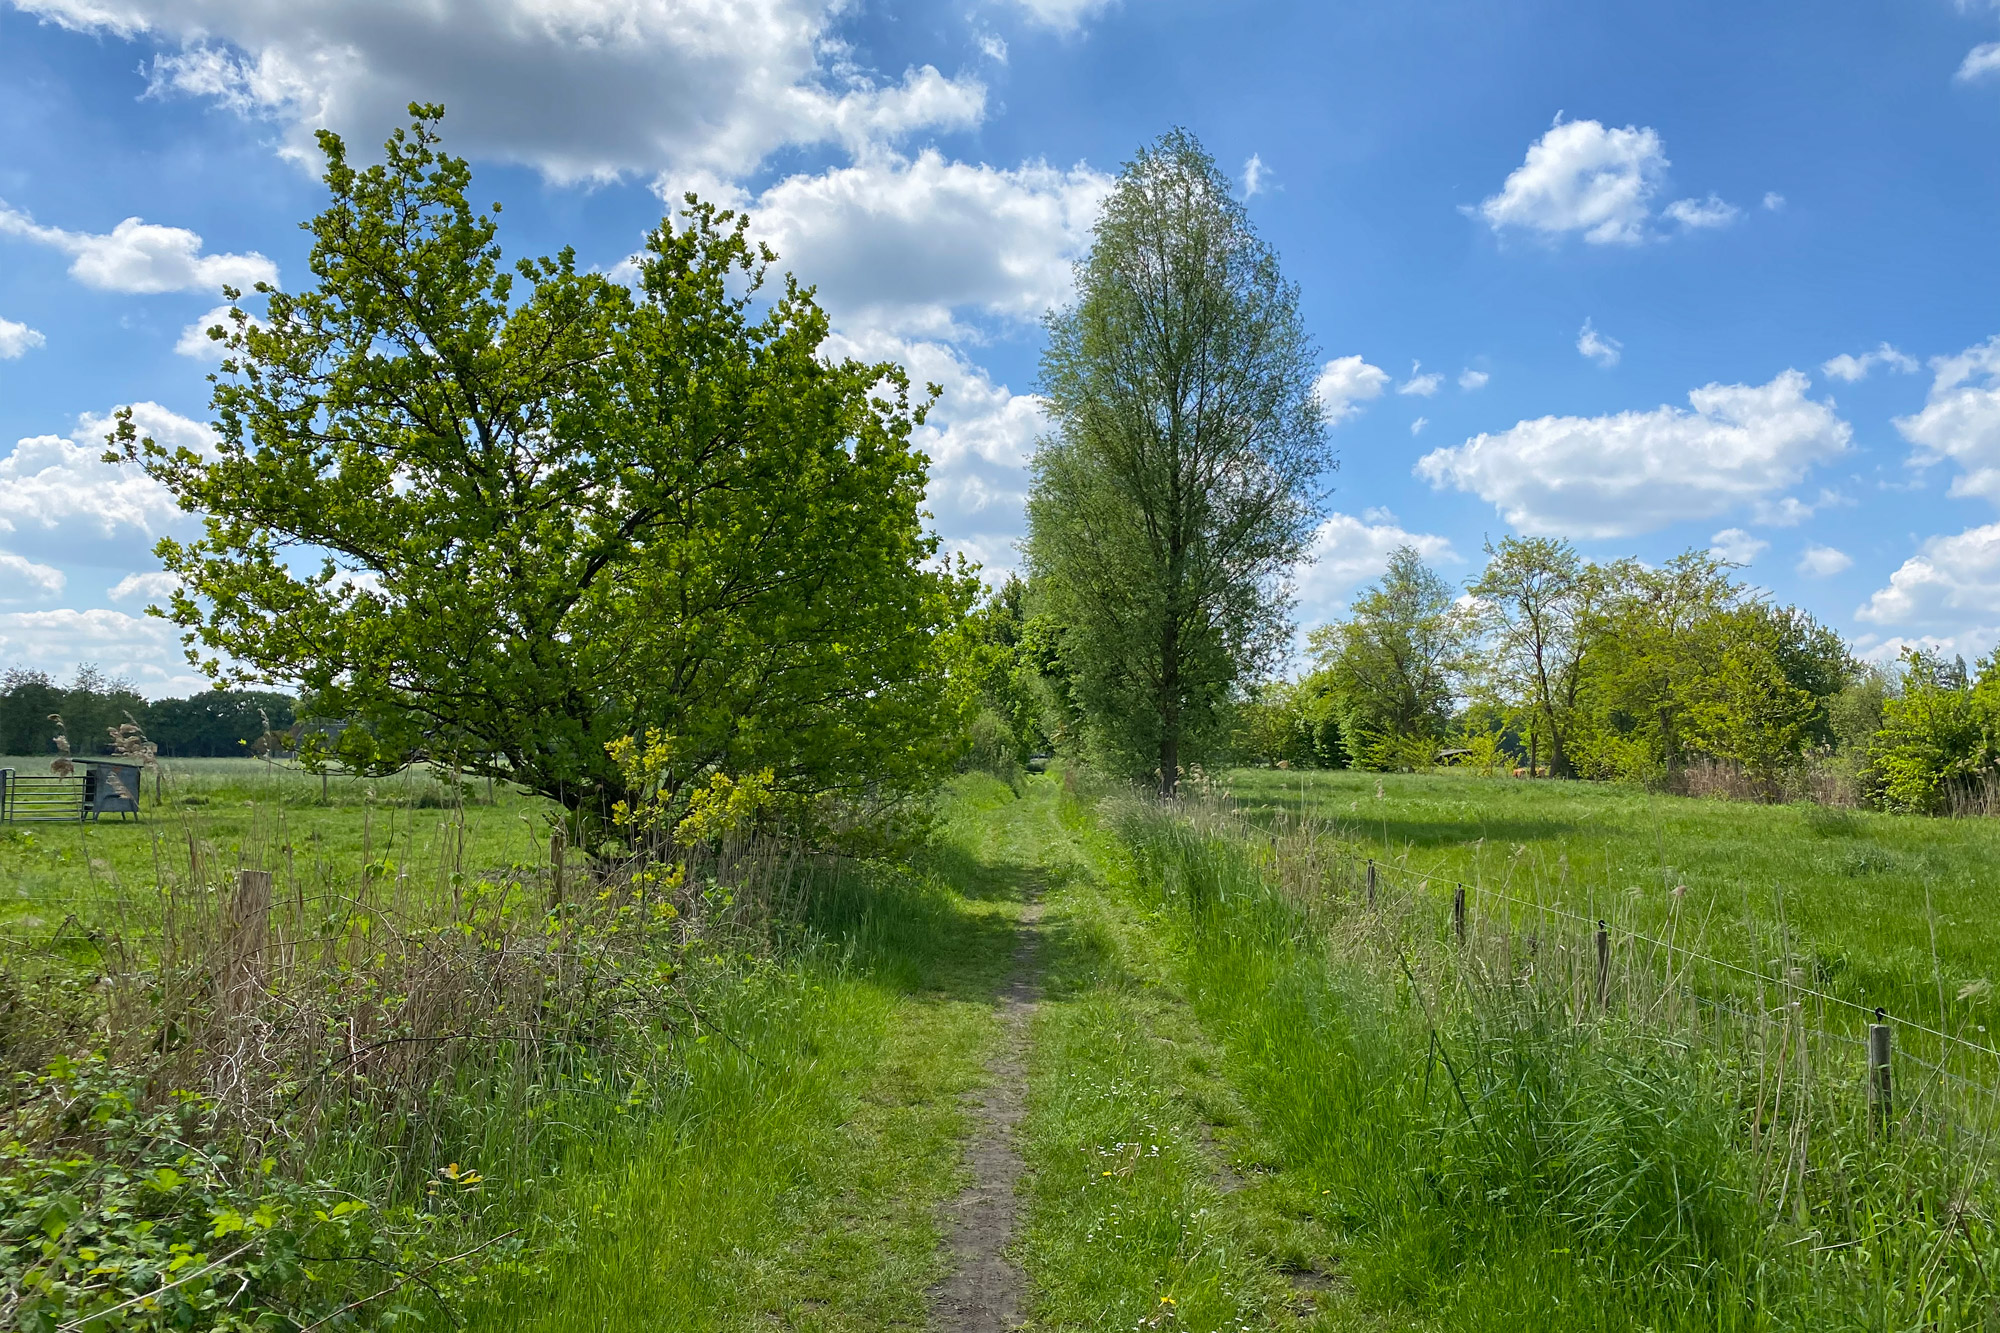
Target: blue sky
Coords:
[(1647, 277)]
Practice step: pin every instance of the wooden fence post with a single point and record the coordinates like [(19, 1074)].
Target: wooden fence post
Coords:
[(249, 929), (1458, 913), (1879, 1086), (1371, 881), (1603, 966), (556, 846)]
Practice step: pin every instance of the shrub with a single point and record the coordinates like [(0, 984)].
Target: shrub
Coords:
[(1937, 741)]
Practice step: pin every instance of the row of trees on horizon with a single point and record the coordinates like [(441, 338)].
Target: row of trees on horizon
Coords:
[(86, 709), (1679, 676)]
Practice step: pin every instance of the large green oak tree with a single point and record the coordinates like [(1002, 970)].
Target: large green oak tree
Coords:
[(514, 514)]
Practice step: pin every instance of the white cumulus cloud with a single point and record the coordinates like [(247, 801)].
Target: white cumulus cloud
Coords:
[(1633, 472), (1850, 368), (1469, 380), (1699, 214), (55, 480), (1737, 546), (1960, 419), (141, 257), (1773, 201), (1423, 386), (1345, 383), (1417, 426), (194, 340), (1951, 584), (25, 580), (1064, 15), (1787, 511), (905, 244), (1595, 346), (1253, 176), (141, 649), (579, 89), (149, 585), (18, 339), (1583, 177), (1821, 562), (1348, 552)]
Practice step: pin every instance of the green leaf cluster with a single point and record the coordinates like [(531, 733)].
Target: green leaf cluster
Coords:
[(1392, 664), (117, 1217), (511, 514), (1581, 669), (1939, 742)]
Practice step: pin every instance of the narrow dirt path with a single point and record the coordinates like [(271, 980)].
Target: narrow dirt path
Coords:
[(984, 1291)]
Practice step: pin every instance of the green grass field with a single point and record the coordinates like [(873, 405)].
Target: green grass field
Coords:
[(1236, 1114), (61, 881), (1886, 909)]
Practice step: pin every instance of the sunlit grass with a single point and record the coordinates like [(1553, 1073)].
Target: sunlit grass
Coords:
[(1491, 1156), (1889, 910)]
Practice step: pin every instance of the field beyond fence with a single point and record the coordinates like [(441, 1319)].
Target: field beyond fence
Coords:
[(1647, 1100)]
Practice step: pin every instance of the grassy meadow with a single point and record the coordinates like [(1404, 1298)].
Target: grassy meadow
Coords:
[(1457, 1145), (680, 1106), (738, 1100), (205, 818), (1878, 909)]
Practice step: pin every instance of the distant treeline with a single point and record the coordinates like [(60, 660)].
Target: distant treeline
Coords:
[(207, 725), (1677, 675)]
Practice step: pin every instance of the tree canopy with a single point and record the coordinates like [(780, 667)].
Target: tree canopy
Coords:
[(1393, 664), (1179, 482), (1615, 670), (519, 513)]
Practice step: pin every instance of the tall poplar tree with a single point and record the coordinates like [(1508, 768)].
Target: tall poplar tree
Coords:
[(1181, 481)]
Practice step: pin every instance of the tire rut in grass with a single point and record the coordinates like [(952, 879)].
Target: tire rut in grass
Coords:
[(983, 1294)]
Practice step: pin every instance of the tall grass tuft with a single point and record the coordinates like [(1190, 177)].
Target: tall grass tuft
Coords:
[(1502, 1150)]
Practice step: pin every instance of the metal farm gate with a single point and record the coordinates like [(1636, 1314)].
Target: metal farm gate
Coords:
[(101, 789)]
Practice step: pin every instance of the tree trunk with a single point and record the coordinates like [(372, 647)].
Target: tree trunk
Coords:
[(1170, 708)]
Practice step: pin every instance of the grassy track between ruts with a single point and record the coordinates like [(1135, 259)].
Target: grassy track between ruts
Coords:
[(798, 1184), (1154, 1200)]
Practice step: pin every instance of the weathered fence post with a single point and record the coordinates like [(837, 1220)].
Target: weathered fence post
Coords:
[(1371, 881), (1458, 913), (556, 845), (249, 929), (1603, 966), (1879, 1086)]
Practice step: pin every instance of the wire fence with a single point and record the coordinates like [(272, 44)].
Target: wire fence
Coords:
[(1939, 1075)]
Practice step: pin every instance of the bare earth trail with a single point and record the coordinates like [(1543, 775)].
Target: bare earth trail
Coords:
[(984, 1292)]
